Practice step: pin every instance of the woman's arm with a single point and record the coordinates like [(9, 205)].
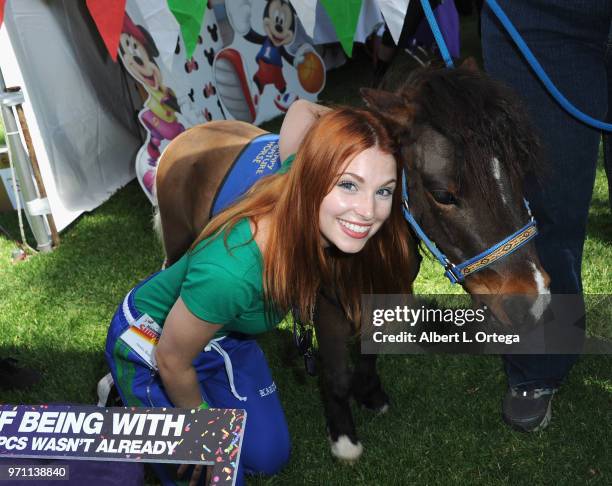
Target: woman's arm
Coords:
[(300, 116), (183, 337)]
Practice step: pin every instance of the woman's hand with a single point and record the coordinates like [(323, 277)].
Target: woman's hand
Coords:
[(195, 475), (298, 120)]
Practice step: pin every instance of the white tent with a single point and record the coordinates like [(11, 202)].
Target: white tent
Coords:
[(78, 103)]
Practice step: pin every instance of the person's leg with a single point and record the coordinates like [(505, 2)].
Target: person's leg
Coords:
[(137, 384), (607, 136), (568, 37), (266, 444)]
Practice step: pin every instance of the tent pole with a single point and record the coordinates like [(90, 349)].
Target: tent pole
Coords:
[(35, 167), (35, 207)]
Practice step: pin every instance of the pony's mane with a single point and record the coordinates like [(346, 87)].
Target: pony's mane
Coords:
[(481, 118)]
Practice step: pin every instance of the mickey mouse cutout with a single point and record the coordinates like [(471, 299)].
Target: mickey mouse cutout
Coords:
[(239, 92)]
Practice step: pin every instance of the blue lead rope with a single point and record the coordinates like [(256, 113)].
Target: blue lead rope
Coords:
[(437, 33), (531, 60)]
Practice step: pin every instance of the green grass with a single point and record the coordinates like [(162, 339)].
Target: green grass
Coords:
[(444, 426)]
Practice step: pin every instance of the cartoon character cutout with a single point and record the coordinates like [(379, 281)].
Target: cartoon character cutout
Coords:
[(138, 51), (279, 25)]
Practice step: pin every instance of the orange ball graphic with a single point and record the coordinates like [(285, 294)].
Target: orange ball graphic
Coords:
[(311, 73)]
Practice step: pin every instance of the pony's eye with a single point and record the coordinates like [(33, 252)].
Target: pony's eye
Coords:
[(444, 197)]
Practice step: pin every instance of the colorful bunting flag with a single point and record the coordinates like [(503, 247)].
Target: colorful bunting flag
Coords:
[(306, 12), (108, 16), (394, 12), (344, 15), (164, 29), (1, 11), (190, 15)]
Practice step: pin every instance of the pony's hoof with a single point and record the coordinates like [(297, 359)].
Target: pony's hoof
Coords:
[(344, 449), (377, 402), (383, 410)]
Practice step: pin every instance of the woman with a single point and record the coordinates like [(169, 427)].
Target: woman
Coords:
[(334, 219)]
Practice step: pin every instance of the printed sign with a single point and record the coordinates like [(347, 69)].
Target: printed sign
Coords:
[(161, 435)]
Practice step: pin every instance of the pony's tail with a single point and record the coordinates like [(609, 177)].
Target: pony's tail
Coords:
[(159, 232)]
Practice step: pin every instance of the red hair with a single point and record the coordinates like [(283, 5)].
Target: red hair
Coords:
[(295, 265)]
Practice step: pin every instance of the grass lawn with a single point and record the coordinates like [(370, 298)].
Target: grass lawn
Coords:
[(444, 426)]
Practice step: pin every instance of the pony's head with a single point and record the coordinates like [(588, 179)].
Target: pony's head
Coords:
[(467, 145)]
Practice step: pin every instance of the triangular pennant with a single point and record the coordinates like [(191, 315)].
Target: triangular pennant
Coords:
[(1, 11), (190, 15), (108, 16), (394, 12), (344, 15), (306, 10), (164, 29)]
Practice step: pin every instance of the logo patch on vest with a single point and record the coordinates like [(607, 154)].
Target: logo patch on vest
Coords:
[(259, 158)]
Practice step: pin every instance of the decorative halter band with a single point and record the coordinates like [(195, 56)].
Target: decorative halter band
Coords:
[(457, 273)]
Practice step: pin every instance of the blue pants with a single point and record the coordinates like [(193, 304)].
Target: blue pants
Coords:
[(232, 372), (569, 39)]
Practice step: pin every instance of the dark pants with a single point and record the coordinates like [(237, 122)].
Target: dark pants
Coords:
[(232, 372), (569, 39), (607, 136)]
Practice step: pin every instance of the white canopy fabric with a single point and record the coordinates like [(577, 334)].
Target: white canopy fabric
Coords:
[(77, 103)]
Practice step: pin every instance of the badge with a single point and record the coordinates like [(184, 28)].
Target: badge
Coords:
[(142, 337)]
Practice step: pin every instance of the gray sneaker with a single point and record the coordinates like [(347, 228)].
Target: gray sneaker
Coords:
[(527, 409)]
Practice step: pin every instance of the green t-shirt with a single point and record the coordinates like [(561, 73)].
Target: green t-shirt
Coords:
[(218, 285), (286, 165)]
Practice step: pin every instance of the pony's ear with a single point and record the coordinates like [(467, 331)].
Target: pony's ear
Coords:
[(378, 99), (389, 105), (470, 64)]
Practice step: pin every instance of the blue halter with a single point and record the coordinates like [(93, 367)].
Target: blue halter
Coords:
[(457, 273)]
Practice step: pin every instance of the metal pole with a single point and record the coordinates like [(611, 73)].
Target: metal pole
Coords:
[(35, 207), (25, 130)]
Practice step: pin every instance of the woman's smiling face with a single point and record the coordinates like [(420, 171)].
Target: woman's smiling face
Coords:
[(360, 201)]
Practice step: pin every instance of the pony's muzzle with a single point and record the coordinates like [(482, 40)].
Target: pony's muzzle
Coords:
[(524, 311)]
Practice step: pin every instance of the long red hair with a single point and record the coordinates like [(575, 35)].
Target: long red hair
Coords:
[(295, 265)]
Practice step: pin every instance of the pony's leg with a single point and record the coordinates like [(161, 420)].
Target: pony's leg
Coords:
[(367, 388), (333, 332)]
